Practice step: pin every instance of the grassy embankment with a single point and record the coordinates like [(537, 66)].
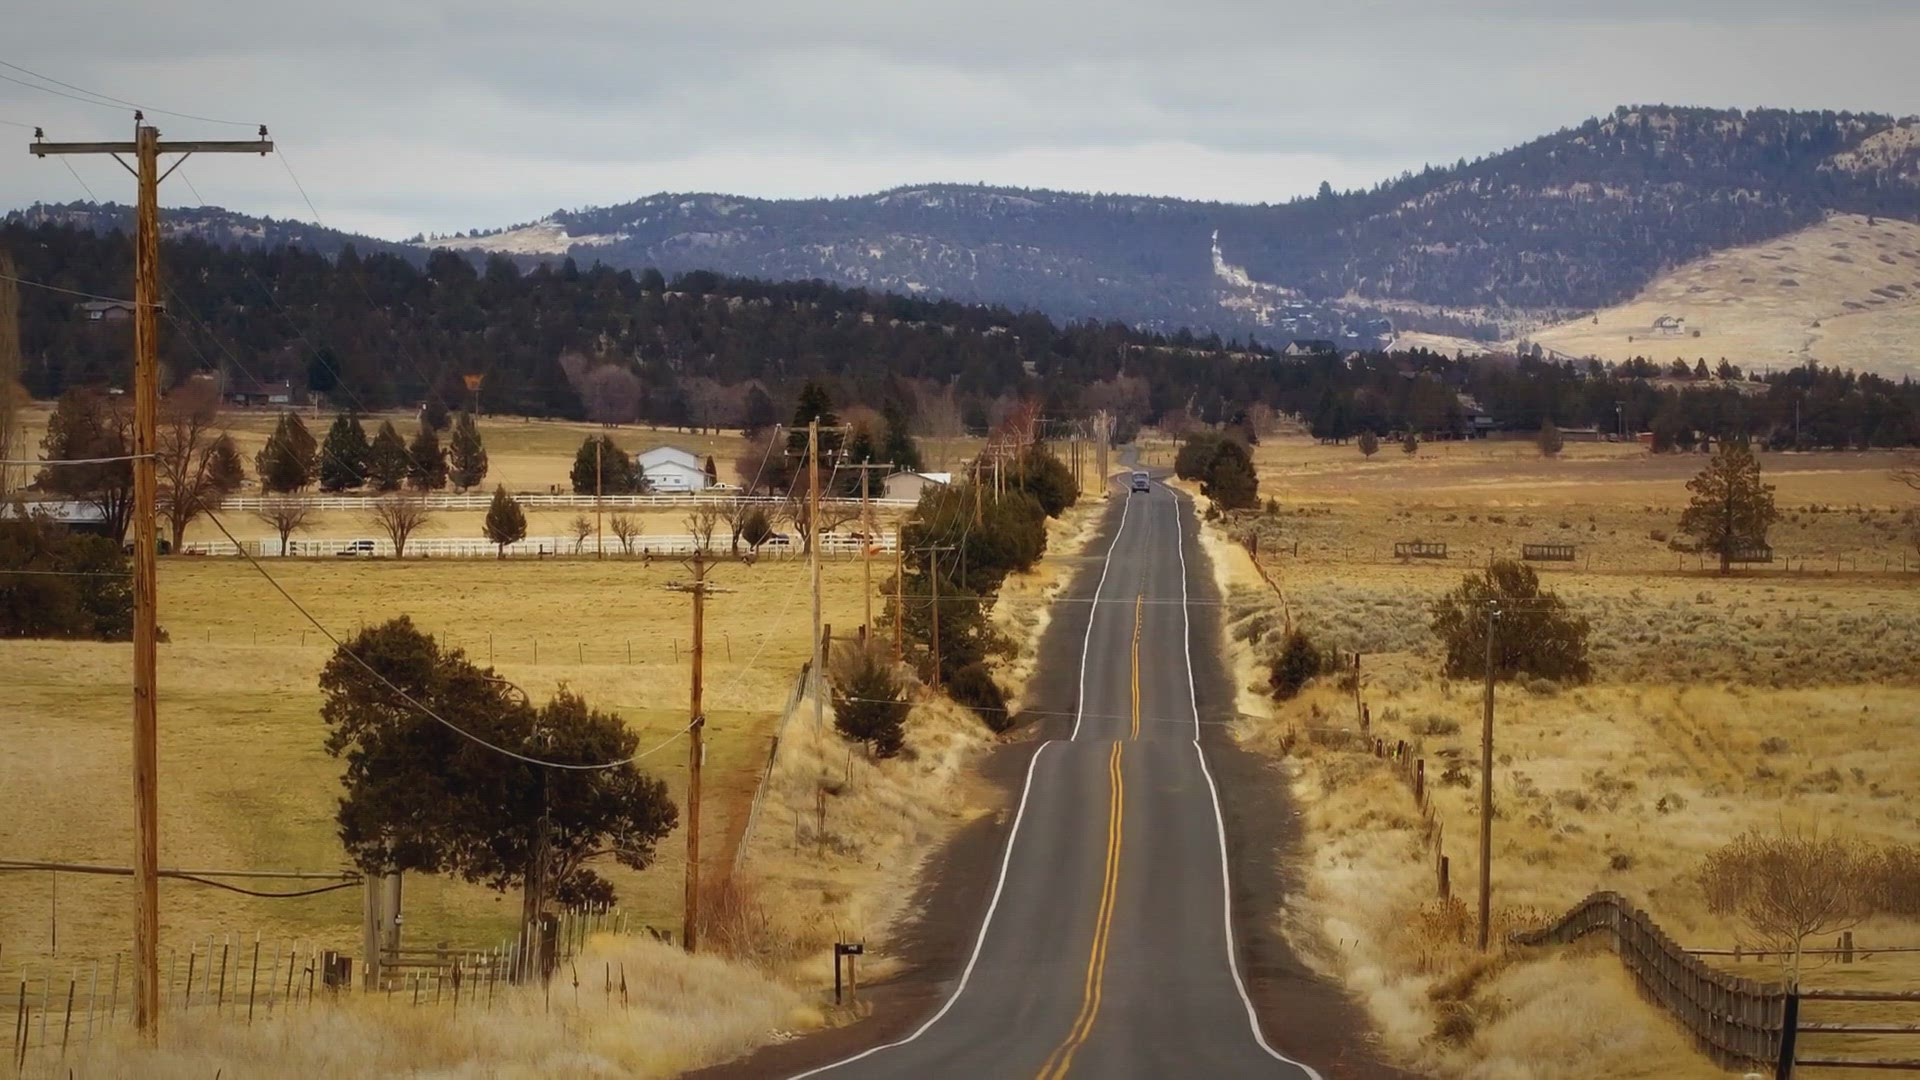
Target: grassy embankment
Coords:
[(1718, 705)]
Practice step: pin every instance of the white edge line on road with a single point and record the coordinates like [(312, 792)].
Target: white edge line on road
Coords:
[(1013, 835), (985, 924), (1093, 608), (1219, 821)]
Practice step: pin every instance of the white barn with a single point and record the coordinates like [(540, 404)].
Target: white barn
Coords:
[(909, 485), (672, 470)]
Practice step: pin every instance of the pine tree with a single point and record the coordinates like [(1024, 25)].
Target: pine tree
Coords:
[(1369, 444), (760, 413), (506, 523), (466, 454), (814, 405), (286, 462), (898, 446), (426, 461), (1410, 443), (387, 459), (343, 458), (1731, 509)]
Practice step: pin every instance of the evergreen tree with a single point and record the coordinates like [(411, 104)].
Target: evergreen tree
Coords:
[(1231, 481), (387, 463), (898, 446), (426, 461), (615, 472), (1731, 509), (869, 705), (712, 471), (286, 463), (814, 405), (343, 457), (466, 454), (1369, 443), (506, 523), (1410, 443), (760, 412)]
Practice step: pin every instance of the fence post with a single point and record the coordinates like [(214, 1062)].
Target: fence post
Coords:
[(1789, 1028)]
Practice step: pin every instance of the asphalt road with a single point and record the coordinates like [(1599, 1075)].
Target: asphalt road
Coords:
[(1106, 948)]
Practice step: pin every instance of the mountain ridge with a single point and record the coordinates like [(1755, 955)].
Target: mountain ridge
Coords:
[(1570, 222)]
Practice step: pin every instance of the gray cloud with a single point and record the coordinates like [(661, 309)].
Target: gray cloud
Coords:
[(417, 115)]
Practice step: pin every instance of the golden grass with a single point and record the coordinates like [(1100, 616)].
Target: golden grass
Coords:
[(1842, 292), (1720, 705), (682, 1012), (244, 781)]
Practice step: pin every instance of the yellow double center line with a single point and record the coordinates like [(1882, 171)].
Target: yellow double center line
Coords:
[(1061, 1059)]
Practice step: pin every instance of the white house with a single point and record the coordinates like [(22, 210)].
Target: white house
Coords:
[(909, 485), (670, 469)]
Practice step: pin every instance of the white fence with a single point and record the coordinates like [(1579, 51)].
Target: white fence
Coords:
[(475, 500), (534, 547)]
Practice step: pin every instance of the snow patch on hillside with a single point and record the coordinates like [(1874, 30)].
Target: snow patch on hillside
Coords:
[(543, 237)]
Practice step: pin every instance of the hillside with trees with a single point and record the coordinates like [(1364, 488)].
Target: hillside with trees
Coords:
[(1575, 220)]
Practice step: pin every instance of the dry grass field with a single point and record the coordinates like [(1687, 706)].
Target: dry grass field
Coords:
[(1844, 292), (1758, 701), (245, 783)]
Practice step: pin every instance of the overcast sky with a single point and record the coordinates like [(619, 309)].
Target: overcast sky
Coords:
[(401, 116)]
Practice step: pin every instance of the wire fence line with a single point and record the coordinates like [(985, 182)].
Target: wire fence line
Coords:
[(474, 500), (781, 546)]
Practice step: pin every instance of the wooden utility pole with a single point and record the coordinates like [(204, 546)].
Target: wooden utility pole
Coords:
[(933, 581), (696, 747), (146, 149), (899, 592), (816, 678), (866, 524), (1486, 789)]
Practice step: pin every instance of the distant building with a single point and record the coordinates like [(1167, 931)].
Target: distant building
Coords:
[(1670, 325), (1309, 347), (79, 517), (105, 311), (250, 394), (909, 485), (672, 470)]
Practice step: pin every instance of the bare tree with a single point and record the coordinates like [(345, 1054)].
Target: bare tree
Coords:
[(701, 521), (612, 395), (1787, 887), (288, 514), (626, 528), (197, 466), (400, 516), (734, 512), (581, 527), (937, 420), (833, 514)]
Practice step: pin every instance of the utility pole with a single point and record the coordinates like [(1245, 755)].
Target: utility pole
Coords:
[(899, 593), (146, 149), (696, 747), (813, 548), (866, 525), (933, 580), (1486, 788)]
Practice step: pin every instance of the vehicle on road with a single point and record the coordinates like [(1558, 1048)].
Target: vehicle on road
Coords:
[(1141, 482)]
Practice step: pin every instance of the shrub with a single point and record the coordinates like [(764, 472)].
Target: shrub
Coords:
[(1369, 444), (64, 585), (973, 687), (1534, 633), (1788, 887), (1048, 480), (1299, 661), (868, 700)]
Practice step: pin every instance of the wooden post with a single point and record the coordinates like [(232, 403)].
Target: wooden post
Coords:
[(817, 675), (696, 754), (866, 546), (599, 537), (899, 594), (933, 579), (370, 930), (253, 981), (1486, 792)]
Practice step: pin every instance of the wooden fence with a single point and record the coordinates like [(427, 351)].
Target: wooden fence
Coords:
[(1739, 1023)]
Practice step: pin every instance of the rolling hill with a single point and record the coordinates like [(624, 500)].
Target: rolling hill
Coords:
[(1844, 292)]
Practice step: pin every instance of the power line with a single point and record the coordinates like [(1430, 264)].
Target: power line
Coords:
[(69, 292), (18, 124), (108, 100)]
